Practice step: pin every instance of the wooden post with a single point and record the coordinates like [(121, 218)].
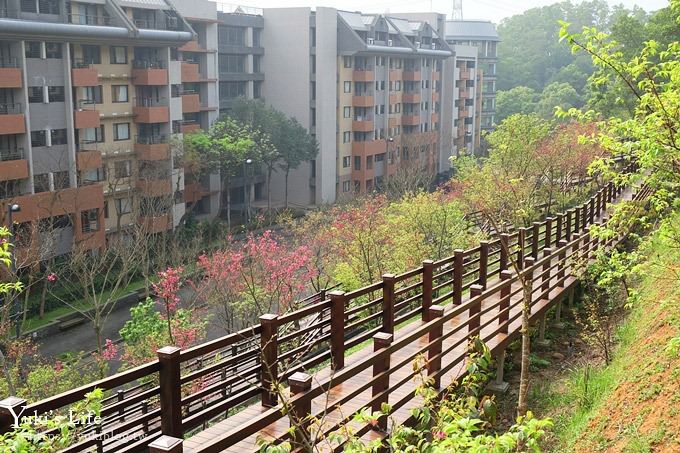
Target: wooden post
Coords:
[(434, 361), (458, 256), (269, 348), (534, 239), (389, 280), (521, 240), (483, 262), (604, 198), (547, 242), (562, 262), (545, 280), (302, 409), (504, 306), (569, 226), (560, 222), (577, 220), (338, 303), (505, 244), (587, 243), (381, 340), (10, 408), (426, 301), (170, 391), (473, 312), (591, 211), (166, 444)]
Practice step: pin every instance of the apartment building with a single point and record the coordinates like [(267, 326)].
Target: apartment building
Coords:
[(91, 94), (483, 36), (368, 86)]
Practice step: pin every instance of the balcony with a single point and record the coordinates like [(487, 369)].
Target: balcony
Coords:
[(12, 119), (189, 126), (395, 97), (410, 120), (193, 192), (435, 117), (363, 100), (436, 75), (396, 74), (147, 72), (155, 223), (151, 110), (13, 164), (362, 124), (368, 148), (411, 97), (83, 74), (394, 121), (155, 187), (89, 19), (190, 72), (191, 46), (363, 75), (10, 73), (411, 75), (86, 117), (88, 160), (436, 96), (191, 102), (152, 147)]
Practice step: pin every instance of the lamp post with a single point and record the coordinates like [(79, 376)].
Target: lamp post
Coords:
[(246, 190), (11, 209)]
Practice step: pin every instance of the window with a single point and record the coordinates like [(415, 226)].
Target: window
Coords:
[(231, 90), (93, 135), (346, 162), (38, 138), (58, 137), (91, 54), (119, 93), (53, 50), (469, 102), (397, 85), (61, 180), (118, 54), (95, 175), (357, 162), (41, 183), (233, 63), (35, 95), (123, 205), (257, 62), (256, 37), (347, 112), (55, 94), (347, 87), (106, 209), (90, 220), (347, 62), (121, 169), (93, 95), (379, 157), (48, 6), (33, 49), (257, 89), (346, 137), (28, 6), (234, 36), (345, 186), (121, 131)]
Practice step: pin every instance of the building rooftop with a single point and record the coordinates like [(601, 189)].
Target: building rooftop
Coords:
[(471, 29)]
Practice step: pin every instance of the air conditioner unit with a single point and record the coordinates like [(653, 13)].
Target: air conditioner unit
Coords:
[(389, 42), (417, 44), (370, 40), (433, 45)]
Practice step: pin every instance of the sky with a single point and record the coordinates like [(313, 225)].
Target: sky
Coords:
[(493, 10)]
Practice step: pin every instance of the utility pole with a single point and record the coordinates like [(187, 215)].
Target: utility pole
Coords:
[(457, 13)]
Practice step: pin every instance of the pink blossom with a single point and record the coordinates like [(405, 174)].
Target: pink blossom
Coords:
[(52, 277), (110, 350), (167, 288), (58, 366), (439, 435)]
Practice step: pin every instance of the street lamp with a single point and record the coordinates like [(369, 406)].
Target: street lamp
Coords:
[(11, 209), (246, 189)]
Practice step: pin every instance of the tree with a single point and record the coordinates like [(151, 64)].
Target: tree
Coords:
[(519, 99), (555, 95)]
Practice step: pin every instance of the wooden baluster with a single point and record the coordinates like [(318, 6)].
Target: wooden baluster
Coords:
[(547, 242), (474, 310), (483, 262), (562, 257), (560, 222), (505, 251), (10, 407), (434, 361), (504, 305), (145, 410), (458, 256), (591, 211), (521, 241), (569, 226), (577, 220), (166, 444), (381, 341), (301, 411), (426, 301), (545, 280), (269, 365), (534, 239), (170, 391), (389, 281), (120, 396), (338, 304)]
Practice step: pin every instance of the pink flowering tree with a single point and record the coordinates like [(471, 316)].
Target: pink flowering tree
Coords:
[(167, 290), (259, 276)]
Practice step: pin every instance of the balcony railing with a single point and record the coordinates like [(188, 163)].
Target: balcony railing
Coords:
[(151, 102), (9, 13), (87, 145), (148, 64), (88, 19), (10, 109), (9, 62), (151, 139), (81, 63), (11, 154)]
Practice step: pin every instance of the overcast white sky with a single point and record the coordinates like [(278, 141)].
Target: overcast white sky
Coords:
[(493, 10)]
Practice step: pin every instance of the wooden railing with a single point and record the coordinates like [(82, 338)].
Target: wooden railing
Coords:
[(184, 390)]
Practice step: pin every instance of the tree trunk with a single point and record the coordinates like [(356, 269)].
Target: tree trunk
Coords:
[(524, 373), (8, 376), (285, 198), (43, 297)]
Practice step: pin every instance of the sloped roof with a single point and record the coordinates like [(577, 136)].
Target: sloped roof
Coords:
[(471, 29), (354, 20)]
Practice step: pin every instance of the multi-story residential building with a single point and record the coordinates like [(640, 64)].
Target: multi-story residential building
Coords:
[(368, 86), (483, 36), (87, 108)]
